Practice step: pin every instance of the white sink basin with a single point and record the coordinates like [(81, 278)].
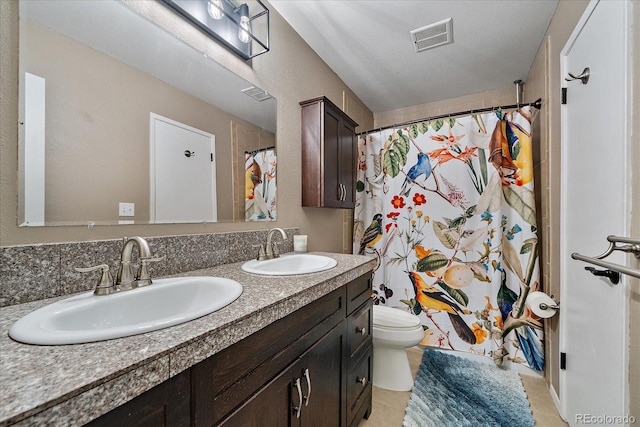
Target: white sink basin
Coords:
[(87, 317), (288, 265)]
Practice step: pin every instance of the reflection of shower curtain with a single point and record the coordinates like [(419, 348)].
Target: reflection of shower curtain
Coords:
[(448, 208), (260, 185)]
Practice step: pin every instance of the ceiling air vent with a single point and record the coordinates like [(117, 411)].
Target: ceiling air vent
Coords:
[(433, 35), (256, 93)]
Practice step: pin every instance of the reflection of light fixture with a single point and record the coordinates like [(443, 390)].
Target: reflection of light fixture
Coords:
[(243, 32), (243, 28), (215, 9)]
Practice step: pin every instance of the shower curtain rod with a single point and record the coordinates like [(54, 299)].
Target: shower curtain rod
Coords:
[(258, 150), (536, 104)]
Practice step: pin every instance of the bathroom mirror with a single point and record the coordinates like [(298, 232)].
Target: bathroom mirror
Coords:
[(117, 114)]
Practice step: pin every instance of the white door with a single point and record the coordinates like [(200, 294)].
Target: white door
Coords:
[(595, 188), (182, 173)]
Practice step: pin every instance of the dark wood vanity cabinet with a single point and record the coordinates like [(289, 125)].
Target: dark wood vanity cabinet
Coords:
[(310, 368), (329, 154)]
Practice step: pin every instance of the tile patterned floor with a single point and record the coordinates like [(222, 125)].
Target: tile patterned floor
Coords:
[(389, 406)]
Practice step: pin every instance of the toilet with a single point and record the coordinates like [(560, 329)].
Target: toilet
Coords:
[(394, 331)]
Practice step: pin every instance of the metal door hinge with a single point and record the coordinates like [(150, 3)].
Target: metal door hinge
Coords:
[(564, 95), (563, 361)]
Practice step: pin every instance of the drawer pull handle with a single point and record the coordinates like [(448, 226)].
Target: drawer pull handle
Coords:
[(362, 381), (298, 408), (361, 331), (308, 396)]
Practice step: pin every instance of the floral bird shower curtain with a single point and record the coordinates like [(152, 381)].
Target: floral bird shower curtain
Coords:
[(447, 207), (260, 185)]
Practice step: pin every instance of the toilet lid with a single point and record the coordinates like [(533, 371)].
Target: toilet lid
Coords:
[(393, 318)]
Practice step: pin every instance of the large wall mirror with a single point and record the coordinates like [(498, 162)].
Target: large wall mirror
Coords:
[(121, 122)]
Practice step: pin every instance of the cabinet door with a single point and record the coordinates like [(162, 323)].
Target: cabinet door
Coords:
[(307, 393), (279, 403), (333, 137), (346, 165), (322, 381)]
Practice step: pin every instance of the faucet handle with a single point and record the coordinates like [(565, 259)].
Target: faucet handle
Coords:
[(105, 284), (144, 277), (275, 249), (262, 255)]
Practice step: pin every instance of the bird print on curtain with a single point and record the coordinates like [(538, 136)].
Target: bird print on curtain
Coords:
[(447, 207)]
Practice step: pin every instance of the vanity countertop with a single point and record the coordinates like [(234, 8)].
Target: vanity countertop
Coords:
[(73, 384)]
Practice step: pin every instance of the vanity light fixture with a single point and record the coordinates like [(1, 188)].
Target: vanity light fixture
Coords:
[(241, 28)]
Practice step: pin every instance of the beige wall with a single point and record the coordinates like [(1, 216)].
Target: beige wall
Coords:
[(291, 72), (490, 98)]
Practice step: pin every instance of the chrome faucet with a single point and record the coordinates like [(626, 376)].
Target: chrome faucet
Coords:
[(125, 279), (270, 249)]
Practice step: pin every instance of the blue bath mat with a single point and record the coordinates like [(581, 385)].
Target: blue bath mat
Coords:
[(451, 391)]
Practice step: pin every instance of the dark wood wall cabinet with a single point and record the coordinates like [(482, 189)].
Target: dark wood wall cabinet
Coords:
[(310, 368), (329, 154)]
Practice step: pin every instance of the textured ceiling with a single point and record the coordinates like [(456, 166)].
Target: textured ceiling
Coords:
[(367, 43)]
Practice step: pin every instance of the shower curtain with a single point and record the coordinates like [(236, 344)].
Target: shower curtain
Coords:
[(260, 185), (447, 207)]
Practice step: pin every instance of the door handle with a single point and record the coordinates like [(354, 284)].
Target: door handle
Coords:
[(308, 396), (583, 77), (298, 408)]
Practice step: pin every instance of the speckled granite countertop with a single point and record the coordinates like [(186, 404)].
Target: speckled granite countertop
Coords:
[(73, 384)]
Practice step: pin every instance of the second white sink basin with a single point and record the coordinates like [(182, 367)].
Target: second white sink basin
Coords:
[(290, 264), (87, 317)]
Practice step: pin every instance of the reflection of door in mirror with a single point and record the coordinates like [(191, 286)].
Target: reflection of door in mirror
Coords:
[(183, 173)]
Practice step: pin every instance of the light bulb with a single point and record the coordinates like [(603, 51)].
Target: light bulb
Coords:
[(243, 32), (215, 9)]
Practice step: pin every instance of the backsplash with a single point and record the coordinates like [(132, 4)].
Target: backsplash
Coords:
[(34, 272)]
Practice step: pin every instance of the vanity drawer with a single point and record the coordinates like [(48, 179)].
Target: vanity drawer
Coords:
[(358, 292), (359, 384), (359, 328)]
